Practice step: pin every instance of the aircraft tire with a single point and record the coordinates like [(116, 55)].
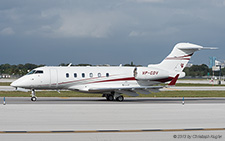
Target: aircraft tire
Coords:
[(110, 98), (120, 98), (33, 98)]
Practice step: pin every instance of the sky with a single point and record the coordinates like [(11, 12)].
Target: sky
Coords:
[(111, 32)]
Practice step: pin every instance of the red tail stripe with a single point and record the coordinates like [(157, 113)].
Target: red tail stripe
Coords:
[(180, 57)]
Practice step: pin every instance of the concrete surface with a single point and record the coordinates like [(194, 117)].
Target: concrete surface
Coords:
[(155, 136), (113, 116), (102, 100)]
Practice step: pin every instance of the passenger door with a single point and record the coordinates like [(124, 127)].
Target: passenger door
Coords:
[(53, 78)]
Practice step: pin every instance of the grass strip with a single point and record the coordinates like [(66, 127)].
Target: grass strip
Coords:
[(5, 83)]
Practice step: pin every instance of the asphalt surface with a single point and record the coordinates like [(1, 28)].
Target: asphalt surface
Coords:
[(102, 101), (112, 117), (132, 136), (169, 117)]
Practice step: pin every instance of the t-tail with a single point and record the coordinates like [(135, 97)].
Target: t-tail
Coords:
[(180, 56)]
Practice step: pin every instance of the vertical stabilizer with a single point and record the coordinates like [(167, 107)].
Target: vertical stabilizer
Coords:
[(179, 57)]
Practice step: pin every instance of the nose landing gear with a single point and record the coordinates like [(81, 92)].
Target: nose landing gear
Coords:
[(33, 96)]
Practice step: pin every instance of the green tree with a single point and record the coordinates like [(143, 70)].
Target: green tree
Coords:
[(197, 70)]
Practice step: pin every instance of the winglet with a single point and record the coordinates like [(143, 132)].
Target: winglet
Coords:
[(174, 80)]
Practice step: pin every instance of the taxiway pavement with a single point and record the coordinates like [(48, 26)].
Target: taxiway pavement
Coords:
[(111, 116), (102, 100)]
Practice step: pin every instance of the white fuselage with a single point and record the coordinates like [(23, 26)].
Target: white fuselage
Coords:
[(82, 78)]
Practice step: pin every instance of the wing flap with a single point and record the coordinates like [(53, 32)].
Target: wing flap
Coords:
[(94, 89), (142, 91), (127, 92)]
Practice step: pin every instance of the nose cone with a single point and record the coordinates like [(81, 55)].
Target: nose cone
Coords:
[(21, 82), (15, 83)]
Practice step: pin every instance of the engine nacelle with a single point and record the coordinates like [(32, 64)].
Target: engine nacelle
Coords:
[(149, 73)]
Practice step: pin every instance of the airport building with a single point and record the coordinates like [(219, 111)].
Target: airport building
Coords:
[(212, 62)]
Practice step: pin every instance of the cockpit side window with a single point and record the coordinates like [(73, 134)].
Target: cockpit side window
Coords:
[(39, 71)]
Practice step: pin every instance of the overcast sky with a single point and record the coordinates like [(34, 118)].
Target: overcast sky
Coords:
[(108, 31)]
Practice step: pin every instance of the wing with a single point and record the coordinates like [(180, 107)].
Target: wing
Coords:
[(128, 90), (124, 88), (131, 91)]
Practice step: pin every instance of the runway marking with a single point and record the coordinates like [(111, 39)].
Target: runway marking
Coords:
[(64, 97), (111, 131)]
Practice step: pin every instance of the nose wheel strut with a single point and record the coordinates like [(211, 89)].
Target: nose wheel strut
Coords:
[(33, 96)]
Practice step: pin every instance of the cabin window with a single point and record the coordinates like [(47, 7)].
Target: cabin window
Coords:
[(91, 74), (67, 75), (99, 74), (75, 75), (107, 74), (83, 75)]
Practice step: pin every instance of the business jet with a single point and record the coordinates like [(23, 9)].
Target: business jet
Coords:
[(112, 82)]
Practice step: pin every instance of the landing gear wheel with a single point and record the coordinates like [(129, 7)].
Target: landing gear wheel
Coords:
[(110, 98), (120, 98), (33, 98)]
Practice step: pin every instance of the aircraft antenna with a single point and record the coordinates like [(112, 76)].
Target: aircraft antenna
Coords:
[(69, 64)]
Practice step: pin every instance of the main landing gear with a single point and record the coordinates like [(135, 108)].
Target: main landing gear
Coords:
[(120, 98), (33, 96), (114, 96)]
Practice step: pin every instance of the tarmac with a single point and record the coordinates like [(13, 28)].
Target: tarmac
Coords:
[(102, 100), (96, 119)]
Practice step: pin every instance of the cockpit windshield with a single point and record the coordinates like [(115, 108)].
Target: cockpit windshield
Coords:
[(35, 72)]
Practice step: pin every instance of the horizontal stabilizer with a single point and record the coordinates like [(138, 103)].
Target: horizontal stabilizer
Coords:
[(209, 48), (197, 48)]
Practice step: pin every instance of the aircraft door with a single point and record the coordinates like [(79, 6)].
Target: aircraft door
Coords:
[(135, 72), (53, 78)]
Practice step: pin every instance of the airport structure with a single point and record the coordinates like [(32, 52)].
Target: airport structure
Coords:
[(212, 62)]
